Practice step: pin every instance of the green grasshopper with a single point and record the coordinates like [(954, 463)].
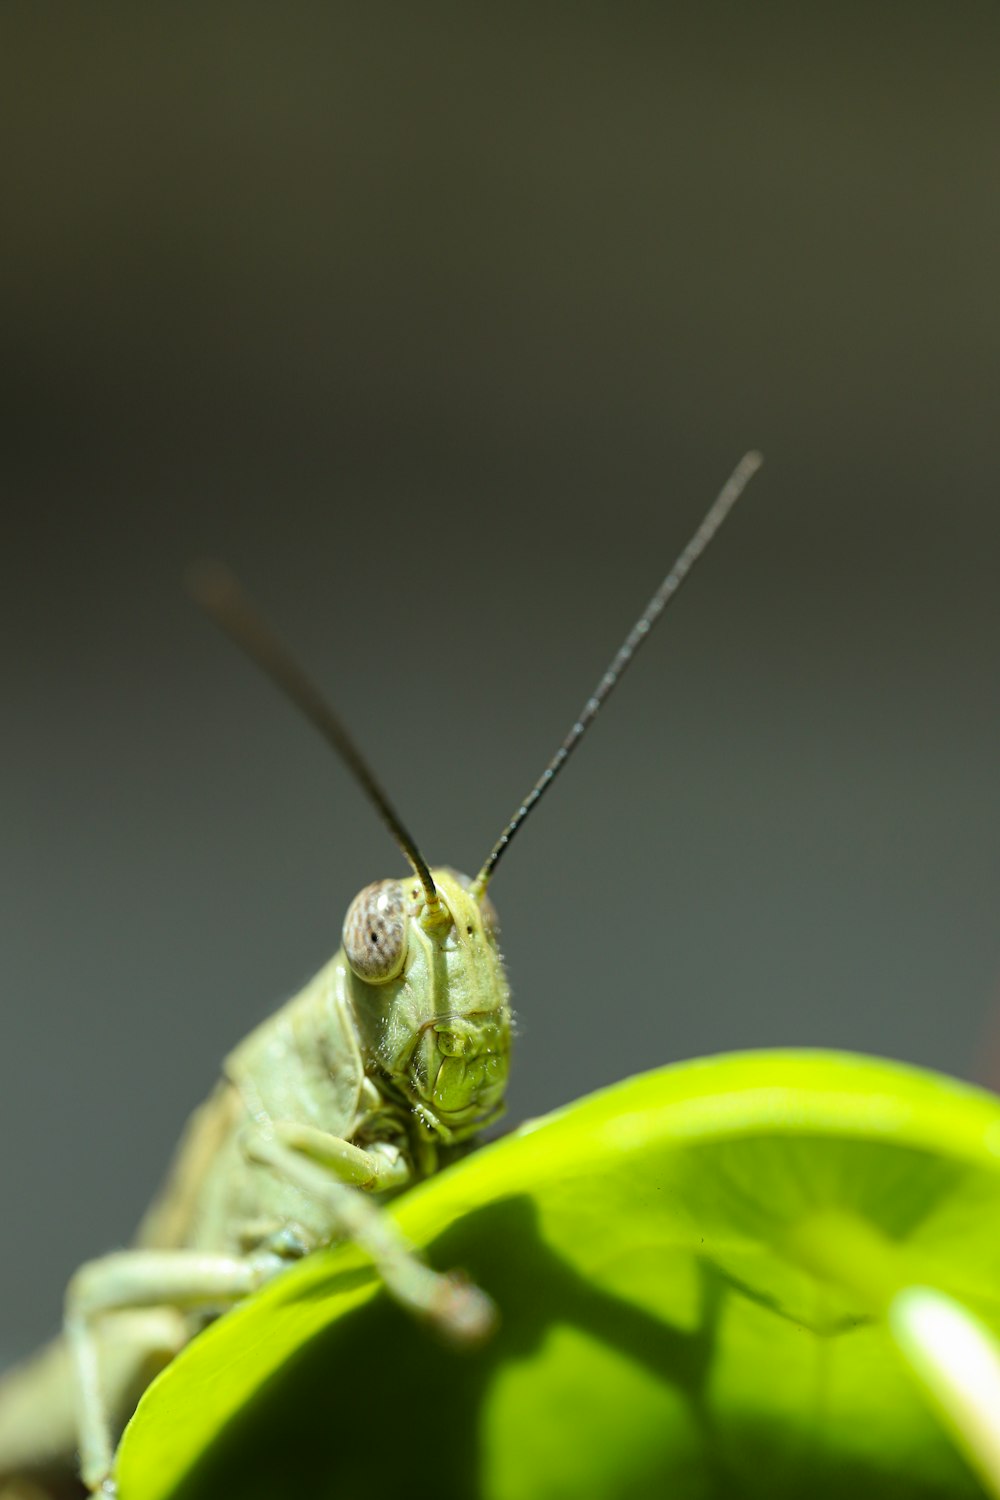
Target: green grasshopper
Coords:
[(386, 1065)]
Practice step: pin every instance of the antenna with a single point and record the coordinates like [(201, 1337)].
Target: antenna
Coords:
[(728, 496), (220, 595)]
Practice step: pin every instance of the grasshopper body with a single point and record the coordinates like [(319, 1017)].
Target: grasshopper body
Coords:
[(389, 1062), (364, 1081), (401, 1071)]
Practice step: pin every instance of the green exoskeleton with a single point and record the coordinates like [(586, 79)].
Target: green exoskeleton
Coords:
[(390, 1060)]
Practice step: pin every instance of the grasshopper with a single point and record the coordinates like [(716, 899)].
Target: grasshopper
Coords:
[(389, 1062)]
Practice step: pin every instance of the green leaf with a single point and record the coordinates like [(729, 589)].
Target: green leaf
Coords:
[(701, 1277)]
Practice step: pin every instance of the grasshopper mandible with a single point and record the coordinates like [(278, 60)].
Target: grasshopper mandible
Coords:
[(393, 1057)]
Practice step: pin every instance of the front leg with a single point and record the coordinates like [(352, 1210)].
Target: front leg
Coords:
[(333, 1173), (380, 1167)]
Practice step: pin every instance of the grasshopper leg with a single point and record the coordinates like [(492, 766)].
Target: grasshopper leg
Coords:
[(318, 1165), (131, 1279)]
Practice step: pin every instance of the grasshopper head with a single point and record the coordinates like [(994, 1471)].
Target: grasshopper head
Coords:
[(431, 998)]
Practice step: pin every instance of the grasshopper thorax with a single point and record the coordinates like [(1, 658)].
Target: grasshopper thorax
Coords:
[(431, 999)]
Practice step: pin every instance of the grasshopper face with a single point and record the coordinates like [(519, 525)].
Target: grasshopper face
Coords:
[(431, 998), (420, 961)]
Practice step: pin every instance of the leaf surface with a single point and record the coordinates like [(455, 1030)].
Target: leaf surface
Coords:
[(682, 1311)]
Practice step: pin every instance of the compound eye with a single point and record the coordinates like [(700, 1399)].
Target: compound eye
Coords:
[(489, 912), (490, 919), (375, 932)]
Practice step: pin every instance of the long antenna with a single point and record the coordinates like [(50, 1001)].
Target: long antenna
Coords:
[(220, 595), (731, 492)]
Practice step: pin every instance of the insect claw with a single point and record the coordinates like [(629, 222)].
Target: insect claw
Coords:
[(462, 1311)]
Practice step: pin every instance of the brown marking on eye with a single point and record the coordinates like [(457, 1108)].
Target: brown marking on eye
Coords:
[(375, 932)]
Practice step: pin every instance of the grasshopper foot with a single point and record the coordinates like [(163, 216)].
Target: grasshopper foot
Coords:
[(463, 1313)]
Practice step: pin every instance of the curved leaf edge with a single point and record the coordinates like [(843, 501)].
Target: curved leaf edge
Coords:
[(806, 1091)]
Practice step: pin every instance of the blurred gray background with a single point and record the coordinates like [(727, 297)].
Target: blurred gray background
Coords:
[(443, 325)]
